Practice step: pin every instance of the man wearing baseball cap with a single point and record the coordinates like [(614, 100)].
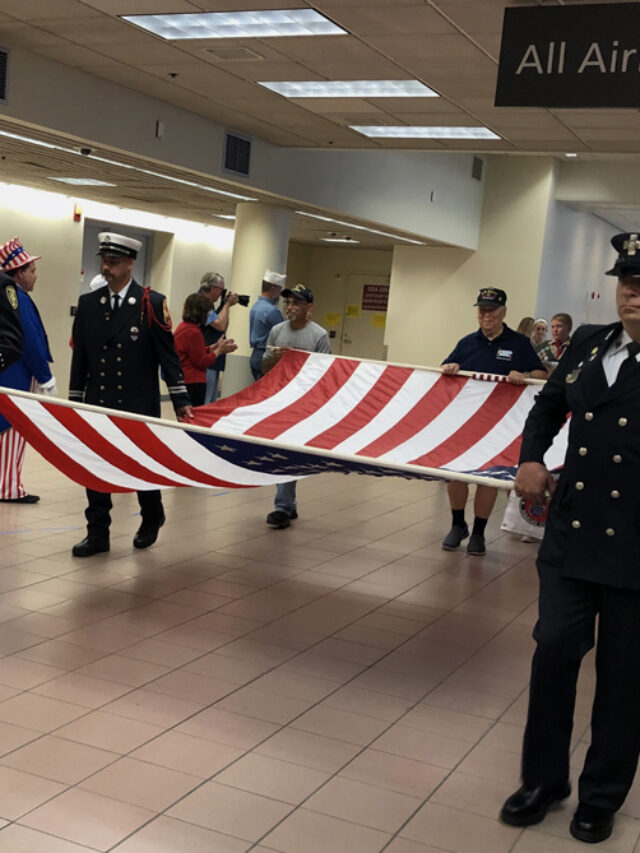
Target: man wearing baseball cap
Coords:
[(493, 348), (264, 315), (30, 372), (121, 337), (298, 331)]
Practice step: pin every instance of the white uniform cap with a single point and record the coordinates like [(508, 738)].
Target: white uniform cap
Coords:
[(118, 244), (274, 278), (98, 281)]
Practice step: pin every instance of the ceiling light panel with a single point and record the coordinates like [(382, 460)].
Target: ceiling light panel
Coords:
[(408, 132), (220, 25), (351, 89), (352, 225), (83, 182)]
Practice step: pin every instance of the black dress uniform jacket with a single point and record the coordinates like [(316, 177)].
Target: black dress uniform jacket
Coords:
[(10, 326), (116, 356), (593, 530)]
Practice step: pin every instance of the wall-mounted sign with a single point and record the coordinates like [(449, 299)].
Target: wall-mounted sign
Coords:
[(375, 297), (570, 56)]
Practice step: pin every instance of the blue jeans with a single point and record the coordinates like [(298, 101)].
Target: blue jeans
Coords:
[(213, 378), (255, 362), (286, 497)]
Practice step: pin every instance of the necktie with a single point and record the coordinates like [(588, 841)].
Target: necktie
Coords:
[(116, 302), (630, 364)]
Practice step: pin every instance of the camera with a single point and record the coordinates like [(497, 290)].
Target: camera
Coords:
[(243, 298), (85, 150)]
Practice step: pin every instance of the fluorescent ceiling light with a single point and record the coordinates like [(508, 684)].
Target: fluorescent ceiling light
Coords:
[(406, 132), (339, 240), (223, 215), (351, 89), (353, 226), (220, 25), (570, 155), (83, 182)]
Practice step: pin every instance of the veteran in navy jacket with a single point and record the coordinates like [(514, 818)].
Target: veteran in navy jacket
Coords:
[(121, 337), (588, 566)]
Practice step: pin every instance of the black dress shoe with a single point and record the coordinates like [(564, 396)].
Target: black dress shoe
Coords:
[(591, 824), (530, 805), (148, 532), (90, 545), (279, 519)]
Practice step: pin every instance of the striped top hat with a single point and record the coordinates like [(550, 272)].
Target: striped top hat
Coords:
[(13, 255)]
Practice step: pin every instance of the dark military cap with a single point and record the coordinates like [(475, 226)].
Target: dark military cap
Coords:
[(491, 297), (628, 261), (300, 292)]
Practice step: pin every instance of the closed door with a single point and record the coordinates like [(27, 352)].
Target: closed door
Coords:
[(364, 316)]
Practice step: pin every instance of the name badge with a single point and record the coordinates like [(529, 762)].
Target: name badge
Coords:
[(504, 354)]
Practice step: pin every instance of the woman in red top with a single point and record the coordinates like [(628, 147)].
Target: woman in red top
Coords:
[(195, 355)]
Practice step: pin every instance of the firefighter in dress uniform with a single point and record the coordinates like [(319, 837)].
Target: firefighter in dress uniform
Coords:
[(588, 567), (121, 337)]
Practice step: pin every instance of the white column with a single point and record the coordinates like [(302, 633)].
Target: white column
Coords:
[(261, 242)]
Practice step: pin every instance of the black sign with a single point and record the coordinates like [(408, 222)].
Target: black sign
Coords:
[(570, 56)]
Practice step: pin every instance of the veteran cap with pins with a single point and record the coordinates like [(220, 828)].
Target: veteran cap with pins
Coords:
[(118, 245), (491, 297), (628, 261), (299, 292)]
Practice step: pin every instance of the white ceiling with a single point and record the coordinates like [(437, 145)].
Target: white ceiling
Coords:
[(450, 45)]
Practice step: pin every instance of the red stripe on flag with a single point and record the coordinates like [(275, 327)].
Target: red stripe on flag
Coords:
[(139, 433), (428, 407), (323, 390), (105, 449), (284, 372), (386, 387), (496, 405), (51, 452)]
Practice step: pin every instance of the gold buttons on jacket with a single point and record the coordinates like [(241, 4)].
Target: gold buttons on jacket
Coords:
[(615, 493), (103, 361), (102, 373), (622, 421), (579, 486), (617, 458), (119, 346), (102, 387), (588, 416), (576, 525), (582, 451), (610, 531)]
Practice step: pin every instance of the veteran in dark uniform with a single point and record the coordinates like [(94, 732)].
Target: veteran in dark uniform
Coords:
[(121, 337), (588, 567), (10, 325)]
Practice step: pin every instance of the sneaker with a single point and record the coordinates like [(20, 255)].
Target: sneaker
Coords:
[(476, 546), (279, 519), (455, 536)]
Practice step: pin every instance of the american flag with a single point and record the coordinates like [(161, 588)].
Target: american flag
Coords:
[(312, 413)]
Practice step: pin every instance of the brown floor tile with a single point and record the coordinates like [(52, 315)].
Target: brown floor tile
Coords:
[(279, 780), (21, 839), (193, 755), (459, 832), (59, 759), (107, 731), (364, 804), (140, 783), (166, 835), (20, 792), (309, 750), (315, 833), (38, 712), (395, 773)]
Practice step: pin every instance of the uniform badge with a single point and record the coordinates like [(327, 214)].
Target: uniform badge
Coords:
[(103, 300), (12, 296), (570, 378), (134, 333), (165, 313), (131, 300), (594, 353)]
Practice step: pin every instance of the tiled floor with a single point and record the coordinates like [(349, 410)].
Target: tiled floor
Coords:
[(344, 686)]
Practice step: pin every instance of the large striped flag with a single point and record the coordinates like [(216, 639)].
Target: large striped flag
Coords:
[(312, 413)]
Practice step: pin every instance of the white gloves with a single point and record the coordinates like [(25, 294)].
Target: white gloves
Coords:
[(48, 387)]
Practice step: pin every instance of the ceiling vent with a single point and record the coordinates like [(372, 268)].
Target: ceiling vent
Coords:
[(237, 154), (4, 74), (234, 54)]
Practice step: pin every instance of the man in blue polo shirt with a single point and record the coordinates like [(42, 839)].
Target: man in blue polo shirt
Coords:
[(494, 348)]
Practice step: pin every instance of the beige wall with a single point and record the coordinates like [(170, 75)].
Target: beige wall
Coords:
[(44, 222), (326, 272), (433, 288)]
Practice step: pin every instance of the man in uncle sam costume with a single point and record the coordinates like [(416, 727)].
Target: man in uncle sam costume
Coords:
[(121, 337), (29, 372), (588, 567)]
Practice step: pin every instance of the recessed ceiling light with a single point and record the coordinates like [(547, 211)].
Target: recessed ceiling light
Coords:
[(351, 89), (83, 182), (570, 155), (219, 25), (407, 132), (352, 225), (339, 240)]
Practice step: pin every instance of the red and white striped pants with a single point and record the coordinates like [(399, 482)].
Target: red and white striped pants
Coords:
[(12, 448)]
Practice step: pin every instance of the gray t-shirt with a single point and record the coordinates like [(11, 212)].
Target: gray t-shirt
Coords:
[(312, 338)]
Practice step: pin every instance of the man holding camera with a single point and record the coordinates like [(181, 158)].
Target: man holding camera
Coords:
[(212, 286)]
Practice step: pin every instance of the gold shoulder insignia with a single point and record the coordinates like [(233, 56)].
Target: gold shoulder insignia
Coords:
[(12, 296)]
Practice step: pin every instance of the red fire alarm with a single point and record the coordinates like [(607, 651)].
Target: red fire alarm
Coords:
[(77, 213)]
